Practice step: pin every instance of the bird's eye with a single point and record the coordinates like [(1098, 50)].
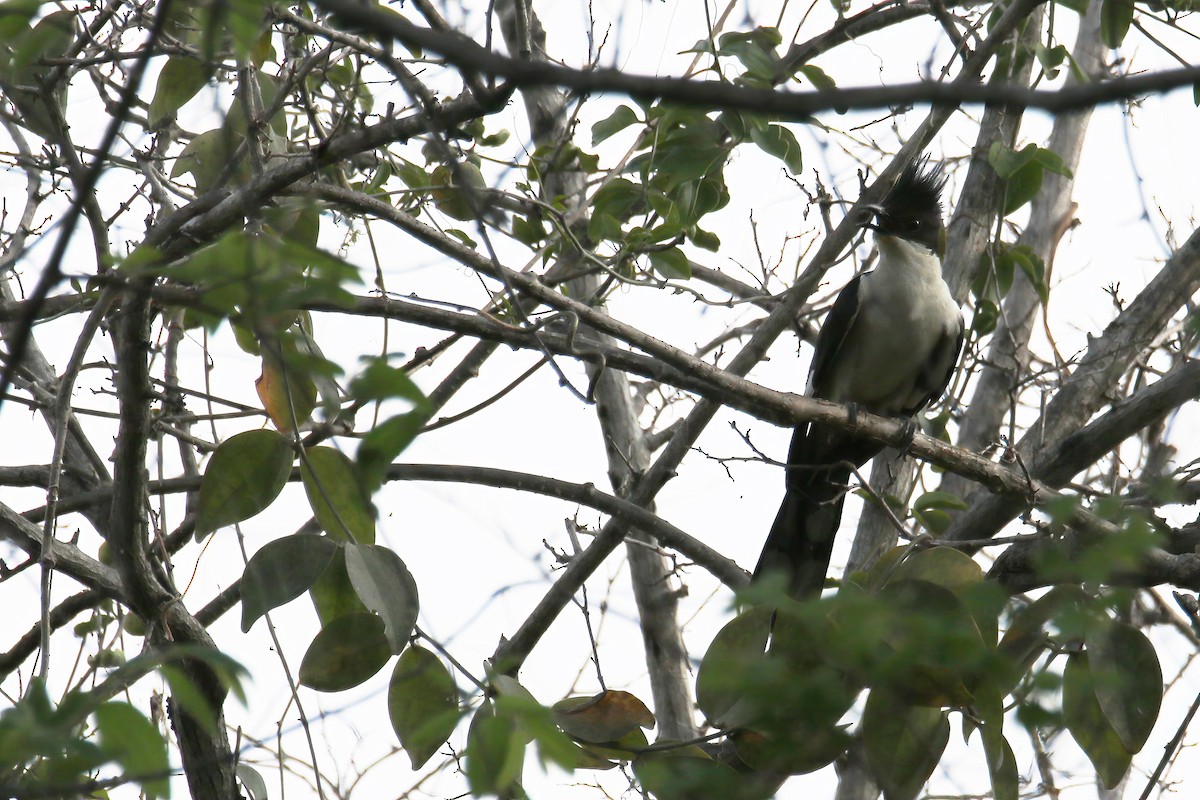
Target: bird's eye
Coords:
[(912, 225)]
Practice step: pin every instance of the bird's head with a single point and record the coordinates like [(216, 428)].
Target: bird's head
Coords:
[(912, 209)]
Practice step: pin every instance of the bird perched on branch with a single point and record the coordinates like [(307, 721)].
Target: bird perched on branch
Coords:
[(888, 346)]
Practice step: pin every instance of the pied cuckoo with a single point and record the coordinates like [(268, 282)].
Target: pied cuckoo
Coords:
[(889, 346)]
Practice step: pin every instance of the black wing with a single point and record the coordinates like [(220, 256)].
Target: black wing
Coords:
[(833, 335), (940, 367)]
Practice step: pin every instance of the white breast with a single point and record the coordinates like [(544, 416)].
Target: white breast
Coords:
[(905, 311)]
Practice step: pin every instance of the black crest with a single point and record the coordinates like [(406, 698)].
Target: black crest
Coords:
[(912, 209)]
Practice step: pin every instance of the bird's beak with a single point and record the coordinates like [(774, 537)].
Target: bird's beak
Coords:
[(872, 211)]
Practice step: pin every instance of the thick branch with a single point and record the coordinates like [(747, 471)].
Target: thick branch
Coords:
[(466, 54), (207, 759), (1090, 386)]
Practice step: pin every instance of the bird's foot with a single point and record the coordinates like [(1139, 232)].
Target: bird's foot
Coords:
[(852, 413), (908, 432)]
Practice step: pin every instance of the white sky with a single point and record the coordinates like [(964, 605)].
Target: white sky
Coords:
[(477, 553)]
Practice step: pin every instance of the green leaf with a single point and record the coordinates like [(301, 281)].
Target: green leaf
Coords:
[(188, 697), (612, 206), (206, 157), (495, 752), (386, 441), (23, 79), (986, 316), (1127, 679), (528, 230), (787, 702), (49, 38), (1026, 637), (228, 672), (618, 197), (933, 520), (1115, 18), (1002, 767), (333, 595), (385, 586), (179, 81), (422, 704), (460, 190), (755, 49), (1032, 267), (1022, 186), (942, 566), (780, 142), (803, 749), (15, 16), (1052, 161), (281, 571), (413, 176), (128, 738), (535, 723), (942, 500), (346, 653), (381, 381), (252, 782), (689, 157), (702, 238), (619, 120), (737, 647), (1087, 723), (308, 358), (671, 263), (688, 773), (929, 649), (337, 495), (244, 476), (1051, 58), (243, 20), (1007, 161), (817, 77), (604, 226), (930, 510), (903, 744), (1023, 172)]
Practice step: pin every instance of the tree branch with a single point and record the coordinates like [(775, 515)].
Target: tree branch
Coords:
[(1089, 387), (464, 53)]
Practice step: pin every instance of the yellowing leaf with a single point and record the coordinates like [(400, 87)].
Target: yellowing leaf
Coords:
[(605, 717), (289, 399)]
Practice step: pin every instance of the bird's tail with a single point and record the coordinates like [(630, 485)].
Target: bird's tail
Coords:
[(800, 543)]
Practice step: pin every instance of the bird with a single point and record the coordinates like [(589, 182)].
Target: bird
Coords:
[(889, 346)]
